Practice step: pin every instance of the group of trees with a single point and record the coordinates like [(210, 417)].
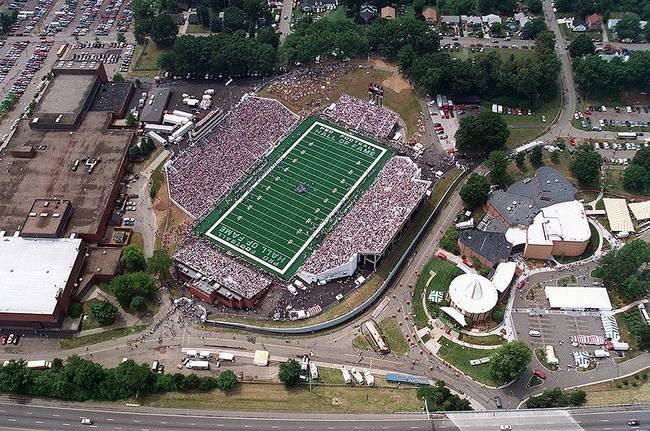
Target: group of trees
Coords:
[(152, 18), (222, 54), (581, 46), (142, 149), (636, 177), (629, 27), (136, 286), (586, 164), (597, 77), (7, 20), (557, 397), (480, 7), (475, 191), (621, 270), (80, 380), (604, 7), (289, 373), (509, 360), (439, 398), (483, 133)]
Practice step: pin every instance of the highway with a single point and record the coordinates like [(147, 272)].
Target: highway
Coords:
[(43, 415)]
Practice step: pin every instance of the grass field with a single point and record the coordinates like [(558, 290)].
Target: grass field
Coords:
[(437, 274), (394, 336), (317, 173), (145, 58), (86, 340), (486, 340), (629, 390), (459, 356), (276, 397)]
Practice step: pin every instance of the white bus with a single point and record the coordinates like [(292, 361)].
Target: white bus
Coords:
[(626, 135)]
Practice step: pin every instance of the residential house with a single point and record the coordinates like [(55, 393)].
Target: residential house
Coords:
[(367, 12), (522, 19), (388, 12), (594, 21), (578, 25), (490, 19), (430, 15)]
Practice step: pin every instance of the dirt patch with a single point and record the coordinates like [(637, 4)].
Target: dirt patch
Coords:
[(395, 81), (168, 217)]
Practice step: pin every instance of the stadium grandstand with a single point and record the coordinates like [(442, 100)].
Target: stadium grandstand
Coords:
[(272, 197)]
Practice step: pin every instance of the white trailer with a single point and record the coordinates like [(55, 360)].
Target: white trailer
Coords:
[(600, 353), (39, 365), (197, 365), (347, 378), (204, 354), (156, 137), (313, 371), (550, 356), (613, 345), (191, 102), (370, 379), (358, 377), (159, 128), (227, 356), (182, 131), (174, 119), (192, 353), (183, 114)]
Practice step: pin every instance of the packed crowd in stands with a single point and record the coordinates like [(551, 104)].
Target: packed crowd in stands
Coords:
[(364, 117), (234, 275), (371, 224), (201, 176), (308, 87)]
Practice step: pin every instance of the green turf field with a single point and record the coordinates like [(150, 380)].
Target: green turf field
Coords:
[(277, 216)]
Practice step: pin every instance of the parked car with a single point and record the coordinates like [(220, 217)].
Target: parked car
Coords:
[(86, 421), (442, 256), (539, 373)]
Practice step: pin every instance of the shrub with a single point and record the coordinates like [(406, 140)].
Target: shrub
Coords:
[(103, 312), (75, 310)]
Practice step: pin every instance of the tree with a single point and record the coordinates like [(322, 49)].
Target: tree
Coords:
[(290, 373), (497, 29), (536, 156), (618, 265), (137, 303), (481, 134), (118, 77), (449, 241), (203, 15), (159, 263), (75, 310), (269, 36), (439, 398), (127, 286), (533, 28), (132, 258), (628, 27), (581, 45), (234, 19), (226, 380), (16, 378), (586, 164), (163, 31), (475, 191), (131, 121), (642, 157), (555, 157), (557, 397), (636, 178), (103, 312), (190, 382), (509, 360), (135, 153), (498, 164), (520, 159), (534, 6), (120, 37)]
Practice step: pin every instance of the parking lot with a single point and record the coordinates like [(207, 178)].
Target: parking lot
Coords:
[(615, 118), (618, 152), (445, 126)]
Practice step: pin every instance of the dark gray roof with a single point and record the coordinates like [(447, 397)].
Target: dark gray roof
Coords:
[(495, 225), (546, 188), (515, 209), (153, 113), (493, 246)]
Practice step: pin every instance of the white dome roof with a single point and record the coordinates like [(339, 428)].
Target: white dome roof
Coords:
[(473, 293)]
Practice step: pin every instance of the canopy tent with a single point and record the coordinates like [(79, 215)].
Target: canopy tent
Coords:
[(454, 314)]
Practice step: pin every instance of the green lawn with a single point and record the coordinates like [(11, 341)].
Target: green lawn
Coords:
[(459, 356), (145, 58), (86, 340), (486, 340), (157, 178), (523, 135), (394, 336), (570, 35), (438, 274)]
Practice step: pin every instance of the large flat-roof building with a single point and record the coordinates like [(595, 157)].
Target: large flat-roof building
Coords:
[(38, 277)]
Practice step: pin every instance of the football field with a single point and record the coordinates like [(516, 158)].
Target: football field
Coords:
[(281, 216)]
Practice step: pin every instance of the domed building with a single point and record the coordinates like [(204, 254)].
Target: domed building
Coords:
[(474, 296)]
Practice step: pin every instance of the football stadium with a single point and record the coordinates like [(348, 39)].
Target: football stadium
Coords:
[(273, 197), (315, 172)]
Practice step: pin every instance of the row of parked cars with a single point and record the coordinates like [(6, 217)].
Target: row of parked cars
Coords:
[(440, 131), (33, 65), (127, 55), (628, 109), (30, 18), (89, 11), (11, 58), (109, 17), (9, 339), (104, 57), (62, 18), (620, 146)]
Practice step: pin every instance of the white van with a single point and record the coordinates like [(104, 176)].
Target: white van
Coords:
[(534, 333)]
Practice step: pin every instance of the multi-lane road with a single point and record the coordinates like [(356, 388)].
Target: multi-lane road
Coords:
[(43, 415)]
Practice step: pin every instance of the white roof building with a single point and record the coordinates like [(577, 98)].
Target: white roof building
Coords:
[(640, 210), (618, 215), (503, 275), (473, 294), (34, 272), (563, 222), (578, 298)]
